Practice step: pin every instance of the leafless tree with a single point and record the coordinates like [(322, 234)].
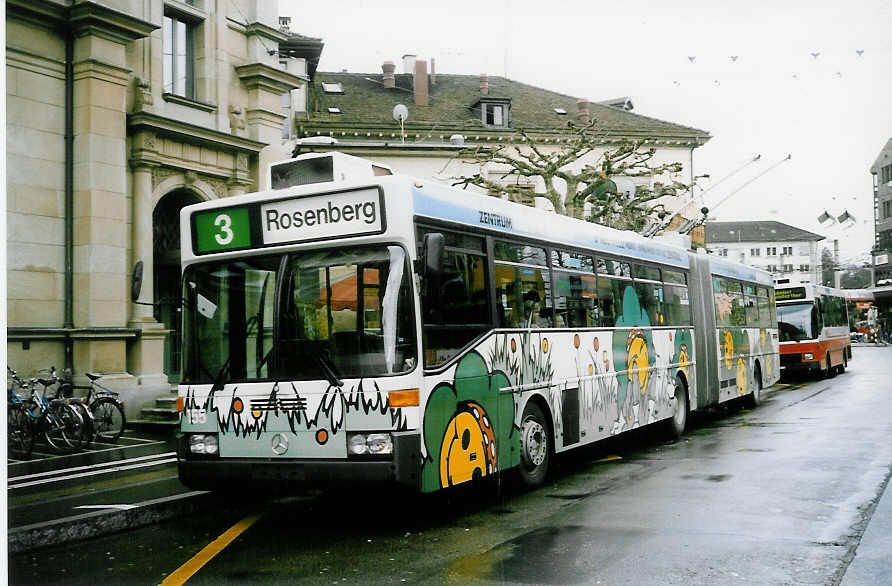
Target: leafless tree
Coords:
[(591, 184)]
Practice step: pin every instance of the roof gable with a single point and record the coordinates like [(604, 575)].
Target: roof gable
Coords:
[(757, 231)]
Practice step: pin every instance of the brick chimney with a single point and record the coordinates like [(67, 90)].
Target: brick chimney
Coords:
[(421, 89), (582, 111), (388, 68), (484, 84)]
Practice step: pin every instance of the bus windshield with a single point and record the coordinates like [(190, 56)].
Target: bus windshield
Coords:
[(797, 321), (341, 312)]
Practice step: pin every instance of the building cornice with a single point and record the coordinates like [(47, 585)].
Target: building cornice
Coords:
[(262, 30), (265, 77), (191, 133), (92, 18), (379, 132)]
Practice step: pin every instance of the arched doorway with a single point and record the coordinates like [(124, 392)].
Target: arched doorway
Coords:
[(166, 274)]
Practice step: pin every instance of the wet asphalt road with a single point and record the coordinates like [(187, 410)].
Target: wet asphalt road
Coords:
[(777, 495)]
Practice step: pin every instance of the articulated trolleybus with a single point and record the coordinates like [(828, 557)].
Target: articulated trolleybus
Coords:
[(381, 329), (813, 325)]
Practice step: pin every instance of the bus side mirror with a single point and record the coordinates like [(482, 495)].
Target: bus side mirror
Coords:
[(136, 281), (434, 244)]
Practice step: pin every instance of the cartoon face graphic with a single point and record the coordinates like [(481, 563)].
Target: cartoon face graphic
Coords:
[(683, 359), (468, 449), (728, 349), (741, 377), (636, 346)]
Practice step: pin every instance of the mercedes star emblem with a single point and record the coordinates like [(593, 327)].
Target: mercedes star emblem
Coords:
[(279, 444)]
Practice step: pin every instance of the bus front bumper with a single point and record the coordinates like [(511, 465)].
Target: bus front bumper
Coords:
[(794, 363), (219, 473)]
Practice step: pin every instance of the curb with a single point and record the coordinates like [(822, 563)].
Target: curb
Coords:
[(97, 523)]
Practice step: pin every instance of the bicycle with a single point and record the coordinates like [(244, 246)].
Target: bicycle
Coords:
[(19, 424), (108, 411), (65, 392), (54, 420)]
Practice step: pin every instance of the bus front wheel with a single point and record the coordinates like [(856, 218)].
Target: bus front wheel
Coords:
[(535, 446)]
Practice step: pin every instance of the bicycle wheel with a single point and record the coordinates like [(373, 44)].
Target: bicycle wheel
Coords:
[(63, 427), (19, 430), (108, 419), (88, 430)]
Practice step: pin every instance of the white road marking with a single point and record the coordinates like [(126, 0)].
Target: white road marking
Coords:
[(118, 507), (92, 473), (90, 467)]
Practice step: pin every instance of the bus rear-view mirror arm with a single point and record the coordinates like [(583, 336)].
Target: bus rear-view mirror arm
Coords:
[(431, 263)]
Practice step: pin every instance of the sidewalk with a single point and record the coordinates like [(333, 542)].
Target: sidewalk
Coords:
[(54, 499), (873, 558)]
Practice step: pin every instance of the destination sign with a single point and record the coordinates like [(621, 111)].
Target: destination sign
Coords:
[(324, 216), (790, 294), (299, 219)]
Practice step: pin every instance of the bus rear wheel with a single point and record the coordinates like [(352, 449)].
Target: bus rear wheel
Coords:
[(829, 371), (755, 398), (676, 424), (535, 446), (845, 362)]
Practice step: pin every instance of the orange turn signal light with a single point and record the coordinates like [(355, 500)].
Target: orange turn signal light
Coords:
[(181, 405), (406, 398)]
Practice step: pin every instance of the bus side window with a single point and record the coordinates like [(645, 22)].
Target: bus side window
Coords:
[(457, 310)]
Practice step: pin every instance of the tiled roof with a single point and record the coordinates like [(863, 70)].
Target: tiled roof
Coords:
[(758, 231), (366, 103)]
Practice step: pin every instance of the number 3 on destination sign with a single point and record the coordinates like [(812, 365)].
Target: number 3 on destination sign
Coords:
[(224, 222)]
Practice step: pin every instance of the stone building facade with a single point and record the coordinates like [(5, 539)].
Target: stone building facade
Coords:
[(118, 115)]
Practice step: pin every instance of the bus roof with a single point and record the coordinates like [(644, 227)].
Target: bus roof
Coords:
[(440, 202)]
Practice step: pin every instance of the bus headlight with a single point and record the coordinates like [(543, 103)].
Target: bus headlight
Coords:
[(369, 444), (808, 356), (356, 444), (379, 443), (204, 444)]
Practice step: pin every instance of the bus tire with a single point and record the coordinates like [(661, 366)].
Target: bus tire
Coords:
[(754, 399), (845, 362), (536, 446), (829, 372), (676, 424)]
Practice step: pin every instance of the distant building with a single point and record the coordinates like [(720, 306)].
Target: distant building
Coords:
[(445, 113), (882, 206), (785, 251)]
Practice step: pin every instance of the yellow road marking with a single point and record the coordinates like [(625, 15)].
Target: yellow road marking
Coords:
[(610, 458), (184, 572)]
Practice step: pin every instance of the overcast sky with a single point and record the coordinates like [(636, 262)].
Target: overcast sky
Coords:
[(743, 71)]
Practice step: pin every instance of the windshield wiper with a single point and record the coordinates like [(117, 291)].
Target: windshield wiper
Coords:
[(327, 369)]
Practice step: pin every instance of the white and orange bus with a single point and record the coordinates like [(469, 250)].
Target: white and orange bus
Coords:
[(814, 329)]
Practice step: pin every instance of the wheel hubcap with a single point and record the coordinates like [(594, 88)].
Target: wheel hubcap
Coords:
[(679, 408), (534, 445)]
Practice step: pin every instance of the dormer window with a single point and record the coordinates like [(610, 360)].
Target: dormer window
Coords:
[(493, 111), (333, 110), (560, 111), (333, 88)]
